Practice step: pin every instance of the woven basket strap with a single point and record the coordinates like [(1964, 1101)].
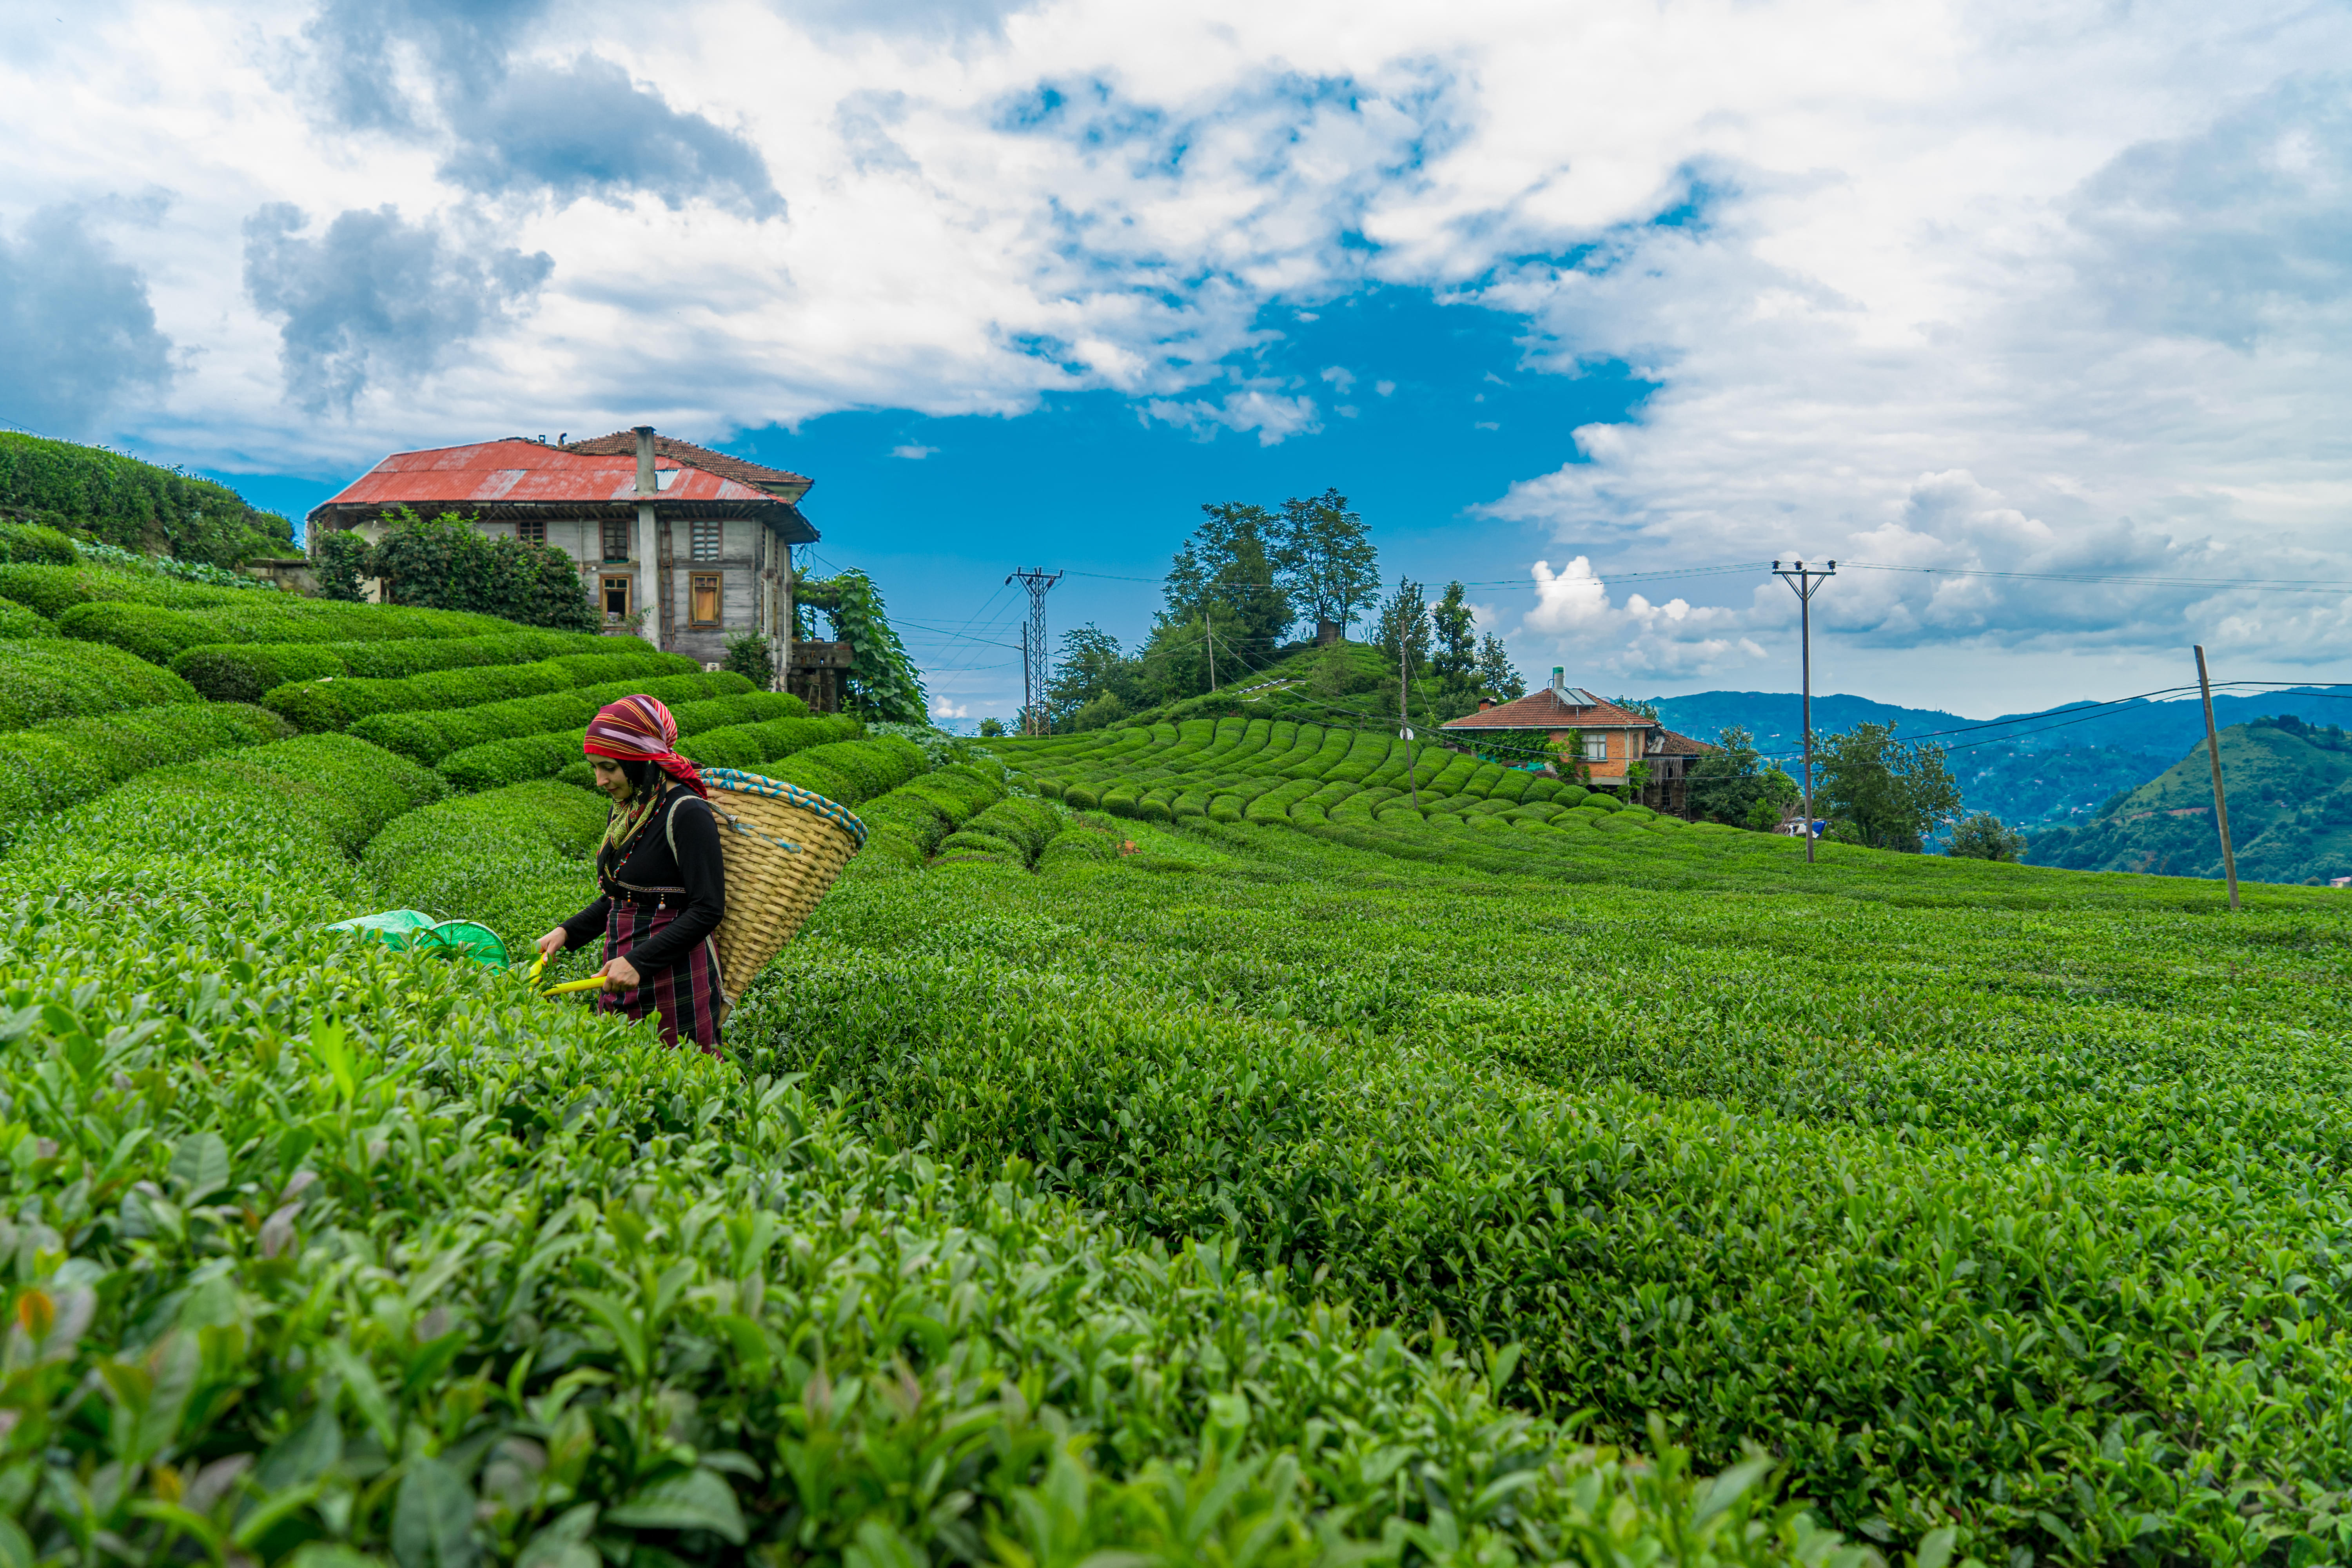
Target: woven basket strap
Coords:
[(739, 825)]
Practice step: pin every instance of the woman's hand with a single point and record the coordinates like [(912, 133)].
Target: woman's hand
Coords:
[(551, 944), (619, 975)]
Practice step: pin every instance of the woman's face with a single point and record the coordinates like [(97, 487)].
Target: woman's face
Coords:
[(610, 778)]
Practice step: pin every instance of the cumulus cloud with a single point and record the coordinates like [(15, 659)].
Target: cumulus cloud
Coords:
[(2091, 258), (453, 73), (77, 331), (1275, 417), (375, 298)]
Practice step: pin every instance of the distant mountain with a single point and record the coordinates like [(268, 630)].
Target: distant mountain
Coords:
[(2056, 766), (2289, 788)]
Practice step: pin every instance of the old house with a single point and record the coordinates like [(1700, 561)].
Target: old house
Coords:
[(1608, 740), (680, 545)]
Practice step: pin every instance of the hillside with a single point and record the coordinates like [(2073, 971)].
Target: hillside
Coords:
[(2032, 770), (133, 505), (1263, 1142), (2290, 794)]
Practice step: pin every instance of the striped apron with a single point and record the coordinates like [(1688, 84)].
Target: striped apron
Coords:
[(688, 995)]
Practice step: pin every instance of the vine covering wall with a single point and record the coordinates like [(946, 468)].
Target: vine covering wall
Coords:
[(882, 681)]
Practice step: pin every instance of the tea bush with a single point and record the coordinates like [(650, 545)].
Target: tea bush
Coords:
[(53, 589), (336, 703), (549, 752), (429, 736), (21, 621), (47, 677), (161, 634), (518, 859), (317, 1254), (67, 761), (246, 672)]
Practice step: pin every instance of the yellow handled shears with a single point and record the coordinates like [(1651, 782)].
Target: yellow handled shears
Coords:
[(539, 963)]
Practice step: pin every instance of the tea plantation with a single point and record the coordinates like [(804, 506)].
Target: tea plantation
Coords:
[(1165, 1145)]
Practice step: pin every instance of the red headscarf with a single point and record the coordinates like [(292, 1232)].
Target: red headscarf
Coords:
[(640, 729)]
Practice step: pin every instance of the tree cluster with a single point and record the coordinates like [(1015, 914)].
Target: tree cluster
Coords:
[(1877, 791), (446, 562), (1733, 783)]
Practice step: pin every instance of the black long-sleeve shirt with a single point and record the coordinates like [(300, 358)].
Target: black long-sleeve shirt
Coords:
[(648, 862)]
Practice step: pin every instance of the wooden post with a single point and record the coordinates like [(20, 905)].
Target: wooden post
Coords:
[(1404, 716), (2220, 803)]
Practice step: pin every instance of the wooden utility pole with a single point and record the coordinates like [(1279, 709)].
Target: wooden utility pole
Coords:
[(1806, 584), (1211, 627), (1404, 716), (2220, 804)]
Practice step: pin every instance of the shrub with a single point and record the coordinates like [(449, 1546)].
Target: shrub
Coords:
[(754, 657), (752, 747), (544, 756), (33, 545), (335, 703), (47, 677), (157, 632), (446, 562), (1081, 797), (517, 860), (818, 779), (54, 589), (430, 735), (246, 672), (19, 621), (134, 505), (67, 761)]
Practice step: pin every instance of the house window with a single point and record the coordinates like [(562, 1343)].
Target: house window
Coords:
[(531, 530), (705, 539), (616, 540), (1596, 748), (702, 599), (615, 591)]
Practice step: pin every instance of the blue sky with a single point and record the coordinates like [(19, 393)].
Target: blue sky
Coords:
[(2032, 312)]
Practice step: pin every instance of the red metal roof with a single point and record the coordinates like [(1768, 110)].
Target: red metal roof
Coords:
[(775, 481), (1546, 710), (515, 471)]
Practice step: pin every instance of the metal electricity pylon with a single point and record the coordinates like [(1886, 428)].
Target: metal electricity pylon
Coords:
[(1807, 584), (1033, 647)]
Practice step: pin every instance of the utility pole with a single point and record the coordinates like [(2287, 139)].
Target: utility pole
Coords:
[(1404, 717), (1033, 643), (2220, 805), (1806, 584), (1212, 627)]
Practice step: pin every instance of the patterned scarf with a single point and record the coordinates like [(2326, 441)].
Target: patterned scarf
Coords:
[(640, 729)]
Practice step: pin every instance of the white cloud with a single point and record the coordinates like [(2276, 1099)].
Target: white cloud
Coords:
[(2049, 285), (1276, 418), (943, 709), (913, 453)]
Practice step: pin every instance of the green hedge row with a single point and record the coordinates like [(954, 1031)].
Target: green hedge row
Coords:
[(428, 737), (54, 589), (48, 678), (516, 859), (154, 632), (246, 672), (544, 756), (751, 747), (906, 826), (32, 544), (853, 771), (338, 702), (18, 621), (67, 761)]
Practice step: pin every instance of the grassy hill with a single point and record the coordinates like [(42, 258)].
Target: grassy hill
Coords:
[(138, 506), (2290, 794)]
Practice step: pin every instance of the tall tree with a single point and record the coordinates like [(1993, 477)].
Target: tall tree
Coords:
[(1882, 792), (1093, 681), (1225, 577), (1496, 674), (1327, 561), (1456, 655)]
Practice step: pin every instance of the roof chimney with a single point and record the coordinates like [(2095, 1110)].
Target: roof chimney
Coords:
[(1486, 703), (1559, 682), (646, 485)]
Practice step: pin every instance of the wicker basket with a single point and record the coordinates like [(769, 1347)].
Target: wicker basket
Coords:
[(783, 846)]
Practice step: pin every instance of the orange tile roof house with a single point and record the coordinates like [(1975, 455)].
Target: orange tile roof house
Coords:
[(1612, 737), (681, 544)]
